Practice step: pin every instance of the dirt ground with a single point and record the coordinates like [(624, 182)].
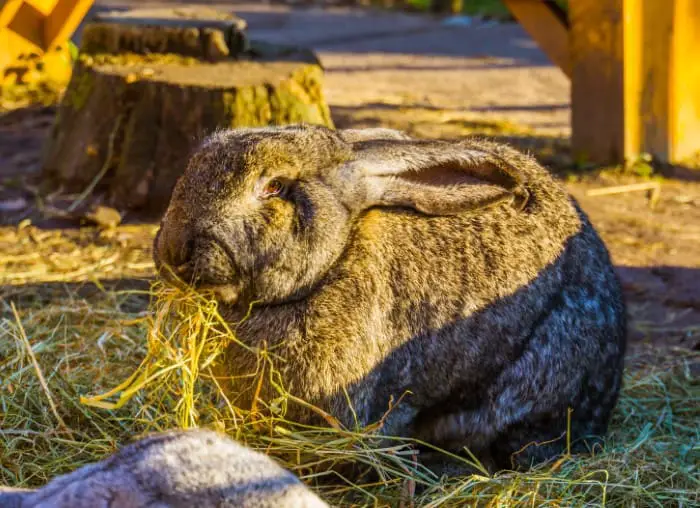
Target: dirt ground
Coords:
[(432, 80)]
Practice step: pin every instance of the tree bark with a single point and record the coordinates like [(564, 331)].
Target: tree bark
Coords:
[(128, 122)]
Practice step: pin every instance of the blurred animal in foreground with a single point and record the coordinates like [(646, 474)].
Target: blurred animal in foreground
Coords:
[(181, 469)]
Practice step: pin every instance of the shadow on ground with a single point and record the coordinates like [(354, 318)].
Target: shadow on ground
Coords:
[(663, 304), (372, 30), (433, 122)]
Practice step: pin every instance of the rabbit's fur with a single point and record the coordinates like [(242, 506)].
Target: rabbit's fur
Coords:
[(460, 272), (179, 469)]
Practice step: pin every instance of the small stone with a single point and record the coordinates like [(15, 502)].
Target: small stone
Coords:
[(13, 205), (458, 21)]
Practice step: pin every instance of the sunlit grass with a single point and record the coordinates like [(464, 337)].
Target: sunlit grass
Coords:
[(154, 365)]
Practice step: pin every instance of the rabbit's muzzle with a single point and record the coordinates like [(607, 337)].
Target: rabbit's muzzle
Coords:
[(200, 261)]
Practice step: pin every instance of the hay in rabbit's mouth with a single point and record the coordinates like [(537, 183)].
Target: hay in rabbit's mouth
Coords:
[(88, 345), (185, 337), (182, 376)]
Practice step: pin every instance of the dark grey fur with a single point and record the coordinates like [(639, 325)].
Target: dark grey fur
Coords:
[(182, 469), (460, 272)]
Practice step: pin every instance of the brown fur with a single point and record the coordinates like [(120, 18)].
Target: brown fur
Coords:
[(459, 272)]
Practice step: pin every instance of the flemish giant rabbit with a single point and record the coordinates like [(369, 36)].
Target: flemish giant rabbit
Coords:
[(182, 469), (460, 272)]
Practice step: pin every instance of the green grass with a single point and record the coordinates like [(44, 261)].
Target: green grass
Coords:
[(487, 8), (493, 9), (88, 344)]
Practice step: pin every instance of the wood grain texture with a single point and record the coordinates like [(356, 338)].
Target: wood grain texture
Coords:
[(597, 91), (547, 27), (635, 79), (685, 81)]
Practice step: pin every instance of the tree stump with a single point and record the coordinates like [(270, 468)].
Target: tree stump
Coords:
[(129, 121), (447, 6)]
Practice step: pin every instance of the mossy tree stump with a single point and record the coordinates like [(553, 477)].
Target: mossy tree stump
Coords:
[(129, 121)]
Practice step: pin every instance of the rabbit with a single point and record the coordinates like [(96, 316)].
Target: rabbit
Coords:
[(173, 469), (455, 283)]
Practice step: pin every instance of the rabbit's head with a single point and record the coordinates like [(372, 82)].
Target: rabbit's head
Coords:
[(262, 214)]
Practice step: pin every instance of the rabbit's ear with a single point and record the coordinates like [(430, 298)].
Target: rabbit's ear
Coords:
[(437, 178)]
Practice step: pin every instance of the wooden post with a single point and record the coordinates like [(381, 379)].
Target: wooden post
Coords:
[(37, 26), (684, 103), (546, 23), (62, 21), (634, 70), (635, 79), (597, 80)]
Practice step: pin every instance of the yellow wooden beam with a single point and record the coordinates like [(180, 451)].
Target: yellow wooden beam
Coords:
[(62, 21), (635, 79), (544, 22), (43, 6), (597, 80), (684, 102), (37, 26), (8, 9), (28, 24), (648, 67)]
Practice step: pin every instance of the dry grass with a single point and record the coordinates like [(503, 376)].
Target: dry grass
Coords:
[(86, 367), (64, 343)]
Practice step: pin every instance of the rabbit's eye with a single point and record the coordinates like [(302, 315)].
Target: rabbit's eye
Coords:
[(273, 188)]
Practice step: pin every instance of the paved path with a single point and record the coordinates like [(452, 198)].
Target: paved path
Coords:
[(494, 72)]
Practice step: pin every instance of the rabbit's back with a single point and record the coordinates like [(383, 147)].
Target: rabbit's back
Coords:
[(507, 327)]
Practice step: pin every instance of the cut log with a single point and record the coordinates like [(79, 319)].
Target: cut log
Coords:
[(129, 122), (447, 6), (188, 31)]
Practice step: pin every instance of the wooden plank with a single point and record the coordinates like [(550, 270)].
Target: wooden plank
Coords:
[(648, 79), (43, 6), (8, 39), (633, 39), (635, 79), (11, 46), (27, 23), (37, 26), (8, 9), (63, 21), (546, 24)]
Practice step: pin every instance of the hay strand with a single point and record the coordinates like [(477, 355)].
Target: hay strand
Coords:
[(90, 346)]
